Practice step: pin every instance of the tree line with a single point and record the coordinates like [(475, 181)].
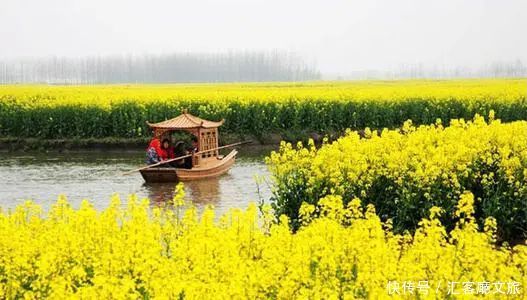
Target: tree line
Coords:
[(162, 68), (498, 69)]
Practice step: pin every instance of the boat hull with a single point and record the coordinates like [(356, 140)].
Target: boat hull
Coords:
[(212, 168)]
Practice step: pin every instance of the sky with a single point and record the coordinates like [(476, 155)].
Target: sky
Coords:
[(340, 36)]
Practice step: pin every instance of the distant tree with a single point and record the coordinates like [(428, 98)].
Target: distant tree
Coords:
[(177, 67)]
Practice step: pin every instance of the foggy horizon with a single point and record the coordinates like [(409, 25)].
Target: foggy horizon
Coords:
[(339, 38)]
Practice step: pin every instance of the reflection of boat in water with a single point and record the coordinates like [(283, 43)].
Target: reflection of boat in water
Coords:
[(209, 168), (159, 192), (206, 191), (206, 163)]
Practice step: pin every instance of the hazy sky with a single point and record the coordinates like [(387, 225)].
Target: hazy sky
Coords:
[(341, 36)]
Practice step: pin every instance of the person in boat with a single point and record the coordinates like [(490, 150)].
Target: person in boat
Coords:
[(167, 152), (179, 150), (189, 161), (194, 144), (154, 152)]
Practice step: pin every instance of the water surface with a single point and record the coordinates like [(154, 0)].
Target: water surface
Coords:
[(96, 176)]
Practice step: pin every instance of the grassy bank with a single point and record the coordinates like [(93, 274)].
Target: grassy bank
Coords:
[(11, 144)]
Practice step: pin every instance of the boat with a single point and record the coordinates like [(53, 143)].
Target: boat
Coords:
[(206, 162), (210, 168)]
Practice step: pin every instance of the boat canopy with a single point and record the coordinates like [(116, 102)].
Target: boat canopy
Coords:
[(185, 121), (205, 131)]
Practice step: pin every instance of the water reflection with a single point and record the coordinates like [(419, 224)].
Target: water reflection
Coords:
[(159, 193), (96, 176), (205, 191), (202, 192)]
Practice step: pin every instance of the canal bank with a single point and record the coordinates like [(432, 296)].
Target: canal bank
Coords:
[(12, 144)]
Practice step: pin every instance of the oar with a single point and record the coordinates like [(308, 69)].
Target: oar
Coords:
[(185, 156)]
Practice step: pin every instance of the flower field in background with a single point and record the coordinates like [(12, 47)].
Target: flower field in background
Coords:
[(258, 109), (407, 171), (137, 251)]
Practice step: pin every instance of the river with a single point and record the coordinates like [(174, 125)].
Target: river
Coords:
[(95, 176)]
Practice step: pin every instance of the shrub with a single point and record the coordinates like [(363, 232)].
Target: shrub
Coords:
[(405, 172)]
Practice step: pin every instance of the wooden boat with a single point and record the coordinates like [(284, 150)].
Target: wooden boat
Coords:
[(206, 162), (208, 169)]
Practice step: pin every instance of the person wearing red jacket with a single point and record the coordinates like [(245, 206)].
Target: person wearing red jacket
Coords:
[(154, 153), (167, 151)]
